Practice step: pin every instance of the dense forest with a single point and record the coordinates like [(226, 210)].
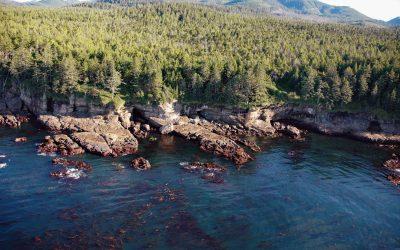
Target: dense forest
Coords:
[(153, 53)]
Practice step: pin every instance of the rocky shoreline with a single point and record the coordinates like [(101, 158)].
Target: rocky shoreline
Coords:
[(80, 126)]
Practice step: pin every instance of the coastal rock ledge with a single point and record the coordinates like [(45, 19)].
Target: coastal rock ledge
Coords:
[(102, 135)]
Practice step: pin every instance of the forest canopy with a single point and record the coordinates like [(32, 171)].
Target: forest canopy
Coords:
[(153, 53)]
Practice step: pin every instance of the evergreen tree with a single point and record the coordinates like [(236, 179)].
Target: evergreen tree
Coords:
[(363, 87), (68, 77), (113, 80), (346, 92), (308, 85)]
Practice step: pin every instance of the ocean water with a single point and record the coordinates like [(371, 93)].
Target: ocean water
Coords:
[(323, 192)]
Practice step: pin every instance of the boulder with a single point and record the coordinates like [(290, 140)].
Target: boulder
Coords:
[(145, 127), (47, 146), (140, 164)]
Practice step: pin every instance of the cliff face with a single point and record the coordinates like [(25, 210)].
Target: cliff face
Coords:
[(361, 126), (16, 99)]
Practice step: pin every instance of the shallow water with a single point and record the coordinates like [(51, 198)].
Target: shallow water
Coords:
[(321, 193)]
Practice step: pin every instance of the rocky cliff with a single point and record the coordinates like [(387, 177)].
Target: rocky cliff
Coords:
[(85, 126)]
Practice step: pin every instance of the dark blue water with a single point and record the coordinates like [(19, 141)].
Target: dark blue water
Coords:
[(321, 193)]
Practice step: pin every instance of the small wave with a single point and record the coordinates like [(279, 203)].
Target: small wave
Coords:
[(185, 163), (3, 156), (44, 154), (3, 165), (73, 173), (118, 166)]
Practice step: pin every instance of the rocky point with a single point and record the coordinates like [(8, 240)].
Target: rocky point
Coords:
[(102, 135)]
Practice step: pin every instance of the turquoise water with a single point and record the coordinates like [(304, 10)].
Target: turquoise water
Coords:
[(321, 193)]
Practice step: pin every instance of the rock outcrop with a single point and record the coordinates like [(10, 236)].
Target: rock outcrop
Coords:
[(61, 144), (102, 135), (13, 121), (212, 142), (93, 143), (288, 130)]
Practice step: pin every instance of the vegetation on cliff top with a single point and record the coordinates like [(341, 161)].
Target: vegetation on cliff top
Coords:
[(157, 52)]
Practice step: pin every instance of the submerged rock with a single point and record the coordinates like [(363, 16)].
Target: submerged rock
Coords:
[(394, 179), (72, 169), (210, 171), (200, 166), (70, 163), (140, 164), (21, 139), (70, 173), (392, 164), (213, 177)]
